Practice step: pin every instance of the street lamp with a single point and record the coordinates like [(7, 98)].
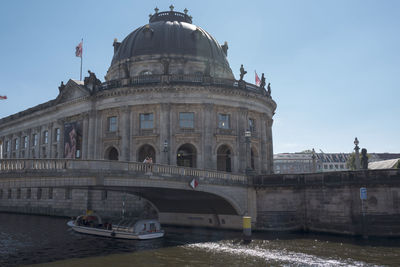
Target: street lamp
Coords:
[(166, 150), (357, 155), (247, 135)]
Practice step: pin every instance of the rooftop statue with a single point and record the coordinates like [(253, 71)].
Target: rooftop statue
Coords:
[(269, 90), (242, 72), (364, 159), (91, 82), (262, 83), (62, 86)]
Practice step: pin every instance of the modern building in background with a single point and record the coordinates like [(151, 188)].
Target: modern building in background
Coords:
[(302, 162), (169, 94)]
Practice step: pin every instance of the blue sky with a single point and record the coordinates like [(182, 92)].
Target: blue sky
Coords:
[(333, 65)]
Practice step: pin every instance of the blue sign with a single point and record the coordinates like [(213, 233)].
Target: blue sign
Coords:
[(363, 193)]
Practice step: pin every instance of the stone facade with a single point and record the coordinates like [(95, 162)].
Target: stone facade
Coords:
[(180, 108)]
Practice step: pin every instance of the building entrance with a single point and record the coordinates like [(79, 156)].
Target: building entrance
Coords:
[(224, 159), (186, 156)]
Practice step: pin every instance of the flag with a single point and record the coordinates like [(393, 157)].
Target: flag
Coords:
[(78, 49), (2, 97), (258, 81)]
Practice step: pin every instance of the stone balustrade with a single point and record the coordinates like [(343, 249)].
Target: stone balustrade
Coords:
[(14, 165)]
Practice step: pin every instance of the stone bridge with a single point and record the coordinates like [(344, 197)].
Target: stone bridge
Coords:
[(220, 199)]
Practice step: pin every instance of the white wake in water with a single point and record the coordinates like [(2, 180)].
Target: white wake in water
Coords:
[(282, 256)]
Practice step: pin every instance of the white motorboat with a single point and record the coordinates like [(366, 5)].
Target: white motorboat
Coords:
[(127, 229)]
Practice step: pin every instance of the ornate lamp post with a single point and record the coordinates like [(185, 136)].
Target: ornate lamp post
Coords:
[(357, 155), (166, 150), (247, 135)]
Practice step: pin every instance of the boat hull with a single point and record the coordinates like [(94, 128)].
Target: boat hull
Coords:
[(112, 233)]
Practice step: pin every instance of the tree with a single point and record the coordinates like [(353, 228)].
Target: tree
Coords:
[(397, 165), (351, 161)]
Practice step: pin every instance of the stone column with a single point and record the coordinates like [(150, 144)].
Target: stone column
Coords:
[(91, 134), (270, 152), (85, 136), (98, 132), (29, 145), (165, 133), (50, 140), (241, 141), (263, 139), (208, 140), (38, 148), (60, 146), (125, 129)]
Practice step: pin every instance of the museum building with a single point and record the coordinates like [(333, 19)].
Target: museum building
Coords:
[(169, 95)]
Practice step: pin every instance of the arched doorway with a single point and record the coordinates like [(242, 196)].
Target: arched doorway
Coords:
[(186, 156), (112, 153), (224, 161), (146, 151)]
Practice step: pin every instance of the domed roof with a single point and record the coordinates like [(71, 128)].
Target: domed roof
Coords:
[(170, 33)]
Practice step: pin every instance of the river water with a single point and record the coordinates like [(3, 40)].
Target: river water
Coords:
[(47, 241)]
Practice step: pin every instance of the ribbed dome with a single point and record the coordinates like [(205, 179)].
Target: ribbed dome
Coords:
[(170, 33)]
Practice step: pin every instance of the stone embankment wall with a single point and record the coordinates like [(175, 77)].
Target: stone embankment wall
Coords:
[(330, 202), (73, 202)]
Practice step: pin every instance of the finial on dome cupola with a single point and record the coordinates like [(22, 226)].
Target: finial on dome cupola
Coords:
[(156, 10), (185, 11), (171, 7)]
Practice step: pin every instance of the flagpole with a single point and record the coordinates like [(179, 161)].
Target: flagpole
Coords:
[(81, 61)]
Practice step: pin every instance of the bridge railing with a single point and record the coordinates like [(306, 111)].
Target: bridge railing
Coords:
[(32, 164), (7, 165)]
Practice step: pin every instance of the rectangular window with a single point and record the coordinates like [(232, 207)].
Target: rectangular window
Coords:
[(146, 121), (112, 124), (39, 193), (7, 146), (223, 121), (28, 193), (104, 195), (57, 133), (26, 141), (18, 193), (68, 193), (45, 137), (50, 193), (186, 119), (9, 193), (16, 144), (35, 139), (252, 125)]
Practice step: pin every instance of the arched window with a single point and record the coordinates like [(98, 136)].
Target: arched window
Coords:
[(146, 151), (112, 153), (186, 156)]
